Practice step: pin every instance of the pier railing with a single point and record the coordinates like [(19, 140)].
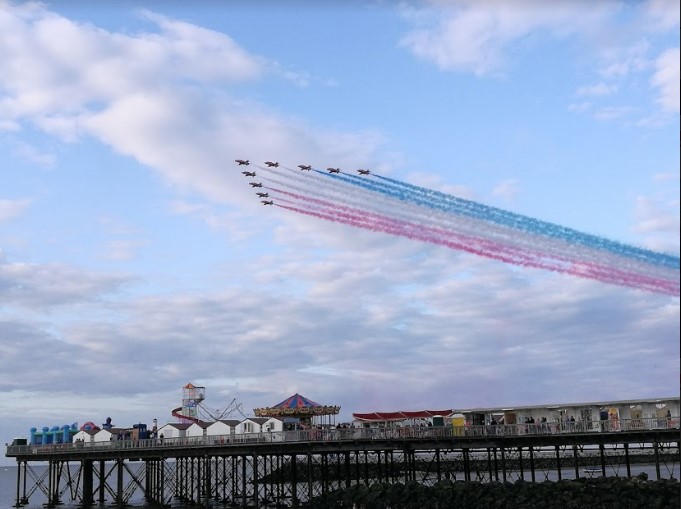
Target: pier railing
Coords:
[(353, 434)]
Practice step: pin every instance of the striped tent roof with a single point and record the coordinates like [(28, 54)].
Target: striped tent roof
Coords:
[(297, 401), (298, 406)]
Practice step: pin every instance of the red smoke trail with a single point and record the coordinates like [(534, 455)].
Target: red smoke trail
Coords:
[(558, 250), (477, 246), (496, 242)]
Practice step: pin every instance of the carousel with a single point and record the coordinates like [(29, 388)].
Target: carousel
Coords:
[(298, 408)]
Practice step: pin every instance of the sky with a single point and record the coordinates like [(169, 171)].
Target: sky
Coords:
[(135, 258)]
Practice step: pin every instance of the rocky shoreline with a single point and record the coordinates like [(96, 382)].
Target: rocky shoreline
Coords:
[(583, 493)]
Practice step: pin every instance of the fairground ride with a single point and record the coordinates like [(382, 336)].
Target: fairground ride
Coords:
[(194, 409)]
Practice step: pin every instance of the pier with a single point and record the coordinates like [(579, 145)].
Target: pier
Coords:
[(286, 469)]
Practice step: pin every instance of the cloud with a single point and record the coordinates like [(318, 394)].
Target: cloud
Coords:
[(38, 287), (474, 36), (506, 190), (134, 93), (10, 209), (444, 331), (55, 66), (664, 14), (658, 219), (613, 112), (598, 89), (667, 78), (198, 53)]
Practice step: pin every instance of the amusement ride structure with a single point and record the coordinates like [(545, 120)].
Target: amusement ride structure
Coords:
[(193, 408), (300, 407)]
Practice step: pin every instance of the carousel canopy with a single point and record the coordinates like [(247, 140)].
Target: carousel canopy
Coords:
[(297, 405)]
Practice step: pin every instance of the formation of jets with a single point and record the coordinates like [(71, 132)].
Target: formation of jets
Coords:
[(303, 167), (275, 164)]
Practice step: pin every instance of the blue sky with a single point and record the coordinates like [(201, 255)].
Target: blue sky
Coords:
[(133, 259)]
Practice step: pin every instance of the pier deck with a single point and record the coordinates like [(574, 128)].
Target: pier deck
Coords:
[(289, 468)]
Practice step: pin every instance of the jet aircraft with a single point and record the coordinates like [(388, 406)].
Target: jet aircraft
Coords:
[(245, 162), (256, 184), (267, 202), (363, 172), (271, 164), (306, 167), (333, 170), (249, 173), (262, 195)]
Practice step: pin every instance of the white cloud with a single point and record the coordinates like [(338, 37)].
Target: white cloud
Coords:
[(473, 36), (38, 287), (667, 78), (613, 112), (658, 220), (599, 89), (10, 209), (664, 14), (131, 93), (506, 190), (199, 53), (54, 66), (579, 107)]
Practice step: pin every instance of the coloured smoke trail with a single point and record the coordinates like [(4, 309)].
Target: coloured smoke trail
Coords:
[(386, 205)]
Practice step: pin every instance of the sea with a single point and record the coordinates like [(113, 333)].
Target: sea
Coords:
[(8, 484)]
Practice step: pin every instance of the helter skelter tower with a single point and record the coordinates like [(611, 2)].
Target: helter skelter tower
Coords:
[(192, 396)]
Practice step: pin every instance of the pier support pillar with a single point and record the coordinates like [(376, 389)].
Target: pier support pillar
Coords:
[(88, 474)]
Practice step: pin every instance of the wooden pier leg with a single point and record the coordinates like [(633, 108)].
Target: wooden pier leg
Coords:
[(496, 465), (18, 500), (520, 463), (244, 483), (254, 482), (24, 497), (294, 477), (54, 477), (656, 450), (147, 481), (490, 471), (310, 492), (119, 484), (162, 483), (324, 460), (102, 481), (466, 465), (532, 465), (626, 459), (87, 483), (199, 480), (560, 473), (601, 448), (50, 487), (575, 457)]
